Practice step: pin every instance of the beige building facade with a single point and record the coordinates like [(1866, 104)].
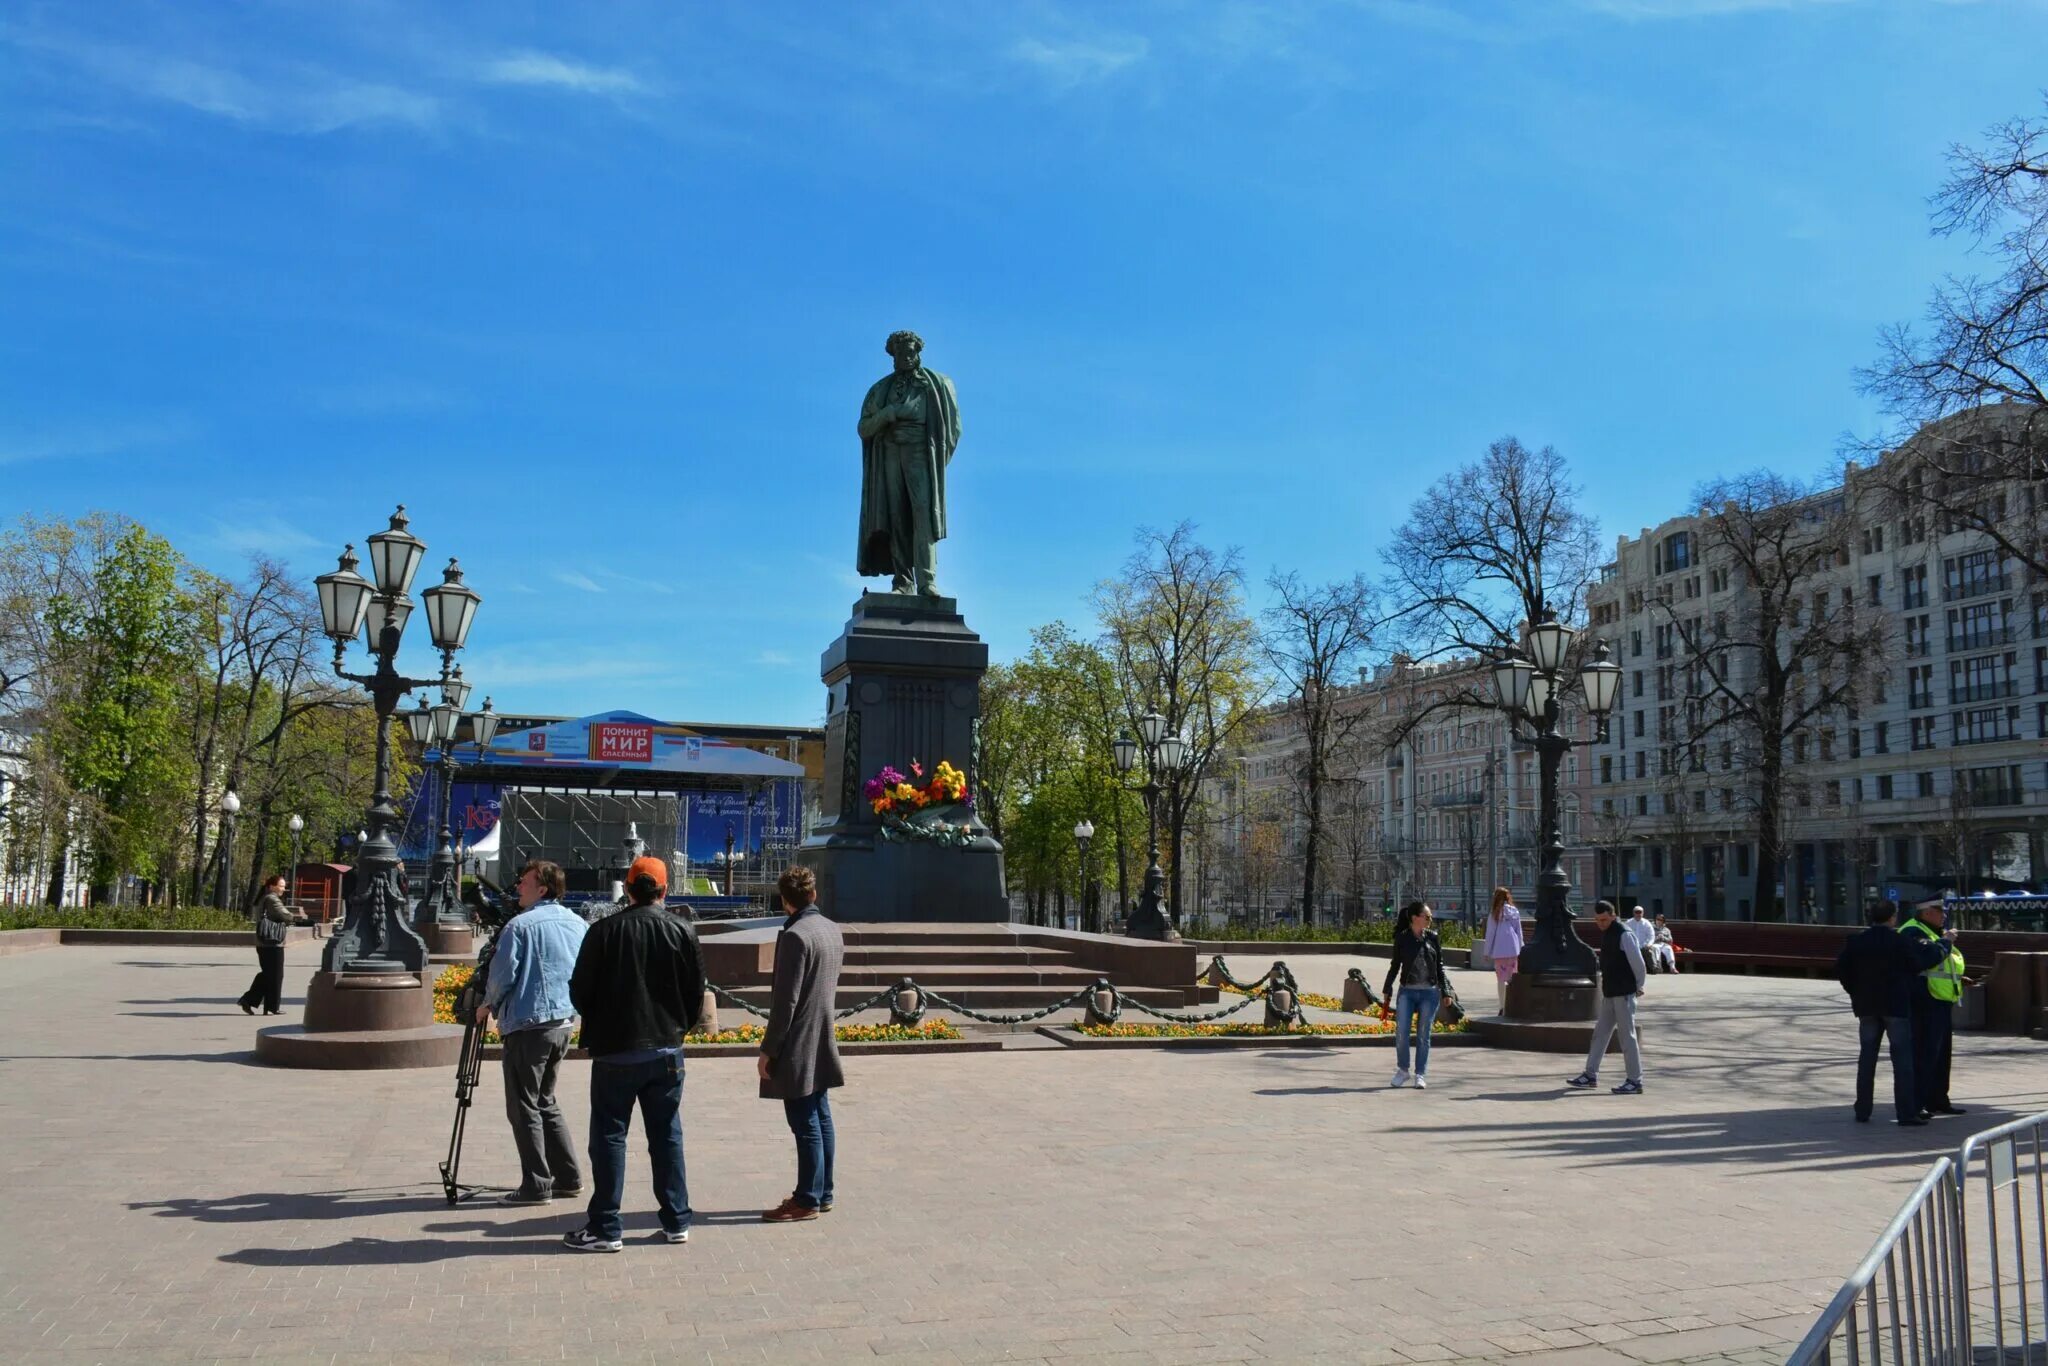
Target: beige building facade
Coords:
[(1934, 778)]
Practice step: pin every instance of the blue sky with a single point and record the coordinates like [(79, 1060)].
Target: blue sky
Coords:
[(596, 289)]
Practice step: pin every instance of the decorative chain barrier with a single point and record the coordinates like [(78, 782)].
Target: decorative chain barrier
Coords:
[(1103, 1001)]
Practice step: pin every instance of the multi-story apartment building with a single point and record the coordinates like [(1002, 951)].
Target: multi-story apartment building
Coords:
[(1431, 799), (1930, 774)]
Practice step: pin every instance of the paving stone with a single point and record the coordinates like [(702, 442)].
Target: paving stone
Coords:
[(165, 1198)]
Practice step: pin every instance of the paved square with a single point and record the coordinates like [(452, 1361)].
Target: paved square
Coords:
[(165, 1198)]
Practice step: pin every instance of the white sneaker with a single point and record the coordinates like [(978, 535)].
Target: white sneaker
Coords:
[(1421, 1082), (1400, 1078)]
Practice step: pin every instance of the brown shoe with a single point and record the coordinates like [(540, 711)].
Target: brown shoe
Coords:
[(788, 1212)]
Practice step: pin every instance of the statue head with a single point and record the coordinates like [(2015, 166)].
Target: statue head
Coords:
[(906, 346)]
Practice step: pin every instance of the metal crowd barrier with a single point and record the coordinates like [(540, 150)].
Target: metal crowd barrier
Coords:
[(1944, 1288), (2009, 1247)]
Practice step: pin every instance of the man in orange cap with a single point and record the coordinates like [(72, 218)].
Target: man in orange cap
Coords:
[(639, 986)]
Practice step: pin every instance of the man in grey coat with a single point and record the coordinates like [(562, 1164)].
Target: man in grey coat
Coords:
[(799, 1060)]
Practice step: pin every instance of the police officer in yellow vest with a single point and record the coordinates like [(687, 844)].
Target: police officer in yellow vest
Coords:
[(1934, 1005)]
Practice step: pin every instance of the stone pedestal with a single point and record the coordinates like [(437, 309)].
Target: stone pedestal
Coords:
[(444, 940), (364, 1020), (1532, 1002), (903, 682)]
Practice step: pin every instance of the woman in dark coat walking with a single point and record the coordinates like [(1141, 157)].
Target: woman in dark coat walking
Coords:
[(799, 1061), (272, 920)]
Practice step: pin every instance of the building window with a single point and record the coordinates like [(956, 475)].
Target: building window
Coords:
[(1742, 860), (1912, 531), (1636, 682), (1983, 725), (1884, 787), (1923, 732), (1984, 679), (1972, 575), (1855, 742), (1875, 589), (1717, 580), (1675, 552), (1873, 540), (1635, 646), (1642, 763), (1913, 586), (1919, 639), (1831, 793), (1925, 784), (1607, 768), (1881, 737), (1639, 724), (1980, 626), (1642, 803), (1920, 686)]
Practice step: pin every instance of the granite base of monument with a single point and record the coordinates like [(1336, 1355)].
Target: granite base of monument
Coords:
[(903, 686), (363, 1021)]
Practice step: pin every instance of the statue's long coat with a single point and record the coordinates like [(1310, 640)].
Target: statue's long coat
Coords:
[(942, 434)]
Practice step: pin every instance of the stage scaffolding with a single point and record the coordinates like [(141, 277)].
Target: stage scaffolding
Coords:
[(584, 831)]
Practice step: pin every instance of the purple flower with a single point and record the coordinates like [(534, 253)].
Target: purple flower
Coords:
[(872, 789)]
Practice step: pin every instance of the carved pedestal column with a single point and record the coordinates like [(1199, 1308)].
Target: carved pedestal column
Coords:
[(903, 683)]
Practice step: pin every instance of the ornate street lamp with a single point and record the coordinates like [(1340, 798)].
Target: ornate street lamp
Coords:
[(1531, 689), (1084, 835), (297, 825), (230, 808), (1164, 754), (728, 859), (434, 729), (376, 937)]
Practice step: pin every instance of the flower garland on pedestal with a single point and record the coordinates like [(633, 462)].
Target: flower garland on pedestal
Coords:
[(938, 810)]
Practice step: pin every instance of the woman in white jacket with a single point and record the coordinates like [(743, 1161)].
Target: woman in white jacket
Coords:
[(1503, 943)]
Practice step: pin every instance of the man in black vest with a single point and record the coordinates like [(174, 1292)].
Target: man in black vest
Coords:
[(1622, 975)]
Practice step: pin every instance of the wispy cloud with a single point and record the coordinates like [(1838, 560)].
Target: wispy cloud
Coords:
[(533, 668), (297, 99), (392, 397), (773, 659), (1694, 9), (580, 581), (263, 535), (559, 73), (1079, 61), (86, 440)]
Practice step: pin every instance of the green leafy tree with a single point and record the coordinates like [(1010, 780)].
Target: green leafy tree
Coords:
[(120, 652)]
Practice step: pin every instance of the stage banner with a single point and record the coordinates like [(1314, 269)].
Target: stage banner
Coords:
[(474, 815), (765, 819)]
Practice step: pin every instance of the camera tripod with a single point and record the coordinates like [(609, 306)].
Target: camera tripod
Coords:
[(469, 1065), (468, 1069)]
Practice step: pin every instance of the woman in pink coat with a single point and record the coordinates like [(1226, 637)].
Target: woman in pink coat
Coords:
[(1503, 942)]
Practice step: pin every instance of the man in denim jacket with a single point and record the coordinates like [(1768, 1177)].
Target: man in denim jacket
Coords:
[(528, 991)]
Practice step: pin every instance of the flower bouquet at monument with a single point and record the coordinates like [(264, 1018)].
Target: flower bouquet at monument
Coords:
[(937, 809)]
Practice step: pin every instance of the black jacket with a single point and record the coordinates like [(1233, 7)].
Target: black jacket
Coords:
[(639, 982), (1407, 951), (1880, 968)]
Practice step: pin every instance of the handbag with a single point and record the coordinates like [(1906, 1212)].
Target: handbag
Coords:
[(270, 933)]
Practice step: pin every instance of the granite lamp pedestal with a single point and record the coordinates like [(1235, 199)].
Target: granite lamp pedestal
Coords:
[(903, 683)]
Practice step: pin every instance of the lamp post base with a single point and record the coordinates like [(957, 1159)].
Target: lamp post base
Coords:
[(1534, 1000), (358, 1020)]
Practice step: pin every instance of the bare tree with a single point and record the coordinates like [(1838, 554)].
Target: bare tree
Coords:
[(1959, 832), (1985, 343), (1180, 642), (1315, 638), (1493, 545), (1789, 654)]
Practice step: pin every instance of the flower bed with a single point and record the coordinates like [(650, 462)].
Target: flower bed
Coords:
[(1308, 998), (1238, 1031), (452, 979)]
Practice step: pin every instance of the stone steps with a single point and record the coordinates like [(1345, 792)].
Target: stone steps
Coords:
[(987, 966)]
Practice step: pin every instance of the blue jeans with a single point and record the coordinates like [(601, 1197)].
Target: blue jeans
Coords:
[(1408, 1003), (1898, 1031), (810, 1119), (657, 1087)]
